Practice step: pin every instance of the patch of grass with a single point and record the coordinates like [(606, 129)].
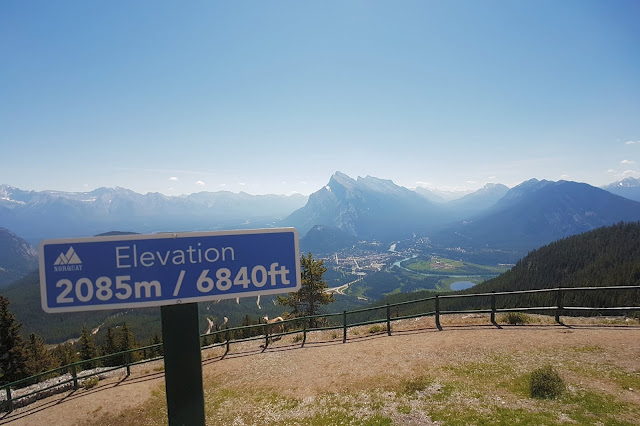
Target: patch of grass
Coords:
[(297, 338), (624, 379), (159, 369), (417, 384), (587, 349), (376, 329), (334, 335), (91, 382), (466, 415), (546, 383), (515, 318), (404, 409), (344, 418)]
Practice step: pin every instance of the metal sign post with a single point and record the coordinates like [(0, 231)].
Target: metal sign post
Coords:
[(182, 364), (174, 271)]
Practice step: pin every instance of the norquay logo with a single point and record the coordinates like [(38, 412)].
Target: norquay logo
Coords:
[(68, 261)]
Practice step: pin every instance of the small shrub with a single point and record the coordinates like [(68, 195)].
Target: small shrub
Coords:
[(416, 384), (515, 318), (404, 409), (91, 382), (297, 338), (546, 383), (376, 329), (334, 335), (356, 332)]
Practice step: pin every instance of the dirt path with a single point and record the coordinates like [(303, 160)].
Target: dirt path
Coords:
[(325, 364)]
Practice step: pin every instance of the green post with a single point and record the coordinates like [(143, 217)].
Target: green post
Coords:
[(183, 364), (438, 313), (558, 304), (388, 319), (266, 335), (493, 308), (304, 330), (344, 326), (226, 338), (9, 399), (74, 374), (127, 361)]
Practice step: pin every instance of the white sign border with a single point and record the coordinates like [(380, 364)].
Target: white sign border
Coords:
[(163, 235)]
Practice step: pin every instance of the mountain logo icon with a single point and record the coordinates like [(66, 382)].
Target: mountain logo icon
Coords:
[(69, 258)]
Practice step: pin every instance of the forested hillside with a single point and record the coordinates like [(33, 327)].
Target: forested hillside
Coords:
[(603, 257)]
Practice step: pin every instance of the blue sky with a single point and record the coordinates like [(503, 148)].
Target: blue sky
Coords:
[(274, 97)]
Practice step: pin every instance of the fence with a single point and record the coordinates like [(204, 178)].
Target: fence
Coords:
[(486, 303)]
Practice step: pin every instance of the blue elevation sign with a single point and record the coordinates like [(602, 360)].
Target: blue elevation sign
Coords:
[(130, 271)]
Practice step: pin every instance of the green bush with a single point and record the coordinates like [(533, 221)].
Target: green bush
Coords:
[(546, 383), (90, 382), (376, 329), (515, 318)]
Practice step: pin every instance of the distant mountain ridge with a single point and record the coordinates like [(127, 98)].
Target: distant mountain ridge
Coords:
[(627, 188), (536, 212), (49, 214), (366, 208), (440, 196), (17, 257), (479, 200), (525, 217)]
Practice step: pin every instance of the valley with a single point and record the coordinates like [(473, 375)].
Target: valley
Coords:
[(416, 266)]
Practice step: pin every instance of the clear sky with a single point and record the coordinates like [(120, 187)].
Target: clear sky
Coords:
[(275, 96)]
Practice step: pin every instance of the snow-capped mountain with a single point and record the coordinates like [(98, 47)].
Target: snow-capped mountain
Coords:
[(627, 188), (35, 215)]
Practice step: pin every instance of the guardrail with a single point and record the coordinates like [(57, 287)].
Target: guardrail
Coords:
[(332, 321)]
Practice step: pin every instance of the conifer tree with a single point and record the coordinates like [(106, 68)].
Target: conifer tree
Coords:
[(155, 340), (311, 295), (13, 353), (64, 354), (88, 349), (39, 358), (110, 346), (126, 341)]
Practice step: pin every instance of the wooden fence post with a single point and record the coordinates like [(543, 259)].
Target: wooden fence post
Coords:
[(9, 399), (558, 304), (493, 307), (304, 330), (344, 326), (226, 338), (438, 313), (266, 335), (388, 320), (74, 374)]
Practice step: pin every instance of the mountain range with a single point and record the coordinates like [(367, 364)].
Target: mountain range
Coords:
[(51, 214), (539, 212), (495, 217), (343, 211)]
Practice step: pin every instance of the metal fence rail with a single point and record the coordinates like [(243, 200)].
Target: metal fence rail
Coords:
[(303, 325)]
